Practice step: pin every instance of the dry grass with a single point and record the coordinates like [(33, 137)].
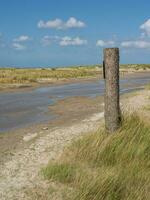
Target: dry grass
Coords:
[(30, 75), (13, 75), (107, 167)]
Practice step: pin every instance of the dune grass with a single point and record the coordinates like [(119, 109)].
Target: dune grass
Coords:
[(148, 86), (63, 172), (33, 75), (107, 167), (136, 66), (14, 75)]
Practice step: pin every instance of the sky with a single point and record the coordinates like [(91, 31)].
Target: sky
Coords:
[(51, 33)]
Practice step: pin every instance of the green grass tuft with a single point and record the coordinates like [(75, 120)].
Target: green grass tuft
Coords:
[(64, 173)]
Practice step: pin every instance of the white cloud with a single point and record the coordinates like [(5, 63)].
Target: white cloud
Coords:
[(102, 43), (143, 35), (18, 43), (22, 38), (74, 23), (60, 24), (68, 41), (146, 27), (18, 46), (56, 24), (47, 40), (63, 41), (136, 44)]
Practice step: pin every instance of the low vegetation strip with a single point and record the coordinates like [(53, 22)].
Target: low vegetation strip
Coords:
[(106, 167), (35, 75), (13, 75)]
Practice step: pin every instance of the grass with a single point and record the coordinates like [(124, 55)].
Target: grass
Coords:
[(62, 172), (107, 167), (136, 66), (33, 75), (14, 75), (148, 86)]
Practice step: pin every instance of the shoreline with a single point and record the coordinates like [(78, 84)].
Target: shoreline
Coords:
[(17, 87), (12, 140), (20, 172), (76, 110), (27, 87)]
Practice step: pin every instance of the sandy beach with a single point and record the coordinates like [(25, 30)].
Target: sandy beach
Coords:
[(24, 151)]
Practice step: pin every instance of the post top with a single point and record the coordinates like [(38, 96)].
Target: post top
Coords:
[(111, 48)]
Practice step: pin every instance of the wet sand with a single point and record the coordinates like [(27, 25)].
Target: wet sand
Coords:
[(24, 108), (20, 176), (56, 82), (68, 110)]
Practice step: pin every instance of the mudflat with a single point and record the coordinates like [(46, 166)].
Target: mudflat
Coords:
[(20, 175), (75, 102)]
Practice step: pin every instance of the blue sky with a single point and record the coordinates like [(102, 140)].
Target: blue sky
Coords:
[(41, 33)]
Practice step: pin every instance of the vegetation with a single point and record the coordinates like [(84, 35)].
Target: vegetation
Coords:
[(107, 167), (65, 173), (148, 86), (136, 66), (13, 75), (24, 75)]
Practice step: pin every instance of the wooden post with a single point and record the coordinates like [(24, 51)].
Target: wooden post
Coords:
[(112, 108)]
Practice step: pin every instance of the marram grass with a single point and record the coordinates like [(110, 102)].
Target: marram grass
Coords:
[(63, 172), (33, 75), (107, 167), (15, 75)]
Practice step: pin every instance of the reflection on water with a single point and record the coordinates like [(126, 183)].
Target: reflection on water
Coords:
[(22, 108)]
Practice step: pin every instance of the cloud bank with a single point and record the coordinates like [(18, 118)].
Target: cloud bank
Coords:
[(102, 43), (63, 41), (57, 23), (146, 27), (136, 44), (68, 41), (22, 38), (18, 46)]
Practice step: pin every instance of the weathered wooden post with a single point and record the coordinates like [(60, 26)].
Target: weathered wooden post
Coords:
[(111, 71)]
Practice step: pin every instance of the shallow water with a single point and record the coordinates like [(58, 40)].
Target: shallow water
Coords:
[(19, 109)]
